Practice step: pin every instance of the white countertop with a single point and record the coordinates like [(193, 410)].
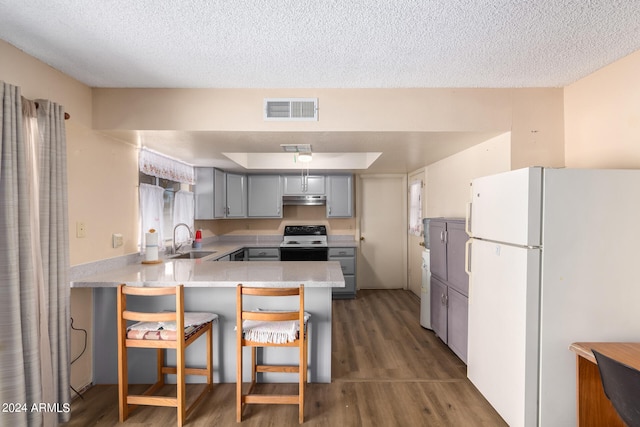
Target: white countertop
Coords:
[(206, 273)]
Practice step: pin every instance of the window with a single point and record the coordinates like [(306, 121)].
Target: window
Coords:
[(415, 208), (170, 190)]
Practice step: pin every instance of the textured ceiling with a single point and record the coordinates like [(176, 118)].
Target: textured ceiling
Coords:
[(323, 44)]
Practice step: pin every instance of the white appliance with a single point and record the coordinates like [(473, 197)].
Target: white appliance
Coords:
[(425, 292), (553, 260)]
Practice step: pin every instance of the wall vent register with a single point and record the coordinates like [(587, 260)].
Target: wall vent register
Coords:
[(291, 109)]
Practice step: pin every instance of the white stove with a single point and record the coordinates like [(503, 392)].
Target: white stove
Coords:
[(304, 243)]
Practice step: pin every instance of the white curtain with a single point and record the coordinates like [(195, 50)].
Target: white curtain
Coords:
[(151, 212), (34, 262), (415, 208), (183, 212)]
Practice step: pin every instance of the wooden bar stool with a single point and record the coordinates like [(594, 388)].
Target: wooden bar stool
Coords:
[(263, 328), (161, 330)]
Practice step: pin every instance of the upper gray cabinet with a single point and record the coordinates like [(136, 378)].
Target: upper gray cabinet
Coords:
[(339, 196), (203, 191), (236, 195), (303, 184), (219, 194), (265, 196)]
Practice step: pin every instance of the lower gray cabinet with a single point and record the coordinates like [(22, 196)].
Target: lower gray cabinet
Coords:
[(263, 254), (449, 316), (347, 259), (457, 323), (439, 295)]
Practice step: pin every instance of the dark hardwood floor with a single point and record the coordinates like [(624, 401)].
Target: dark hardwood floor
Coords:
[(387, 371)]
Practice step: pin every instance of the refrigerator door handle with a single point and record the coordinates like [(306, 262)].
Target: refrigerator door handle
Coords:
[(467, 219), (467, 253)]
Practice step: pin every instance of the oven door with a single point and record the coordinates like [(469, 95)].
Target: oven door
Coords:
[(303, 254)]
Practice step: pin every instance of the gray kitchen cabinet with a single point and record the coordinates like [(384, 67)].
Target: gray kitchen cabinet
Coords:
[(449, 283), (264, 196), (203, 193), (457, 322), (210, 193), (236, 195), (347, 259), (263, 254), (339, 196), (295, 185), (439, 295), (219, 194)]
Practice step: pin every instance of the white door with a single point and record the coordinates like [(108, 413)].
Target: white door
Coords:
[(502, 359), (382, 210)]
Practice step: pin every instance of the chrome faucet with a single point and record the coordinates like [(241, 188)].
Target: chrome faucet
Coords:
[(176, 248)]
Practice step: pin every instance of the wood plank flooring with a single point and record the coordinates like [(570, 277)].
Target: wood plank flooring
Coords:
[(387, 371)]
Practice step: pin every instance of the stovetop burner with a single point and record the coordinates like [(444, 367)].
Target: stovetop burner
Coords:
[(305, 236)]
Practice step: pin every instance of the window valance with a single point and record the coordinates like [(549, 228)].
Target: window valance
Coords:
[(156, 164)]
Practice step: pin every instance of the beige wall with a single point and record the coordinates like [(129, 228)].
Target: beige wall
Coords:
[(448, 180), (291, 215), (602, 117)]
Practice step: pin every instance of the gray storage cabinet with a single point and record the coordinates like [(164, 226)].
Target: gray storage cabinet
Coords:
[(449, 283)]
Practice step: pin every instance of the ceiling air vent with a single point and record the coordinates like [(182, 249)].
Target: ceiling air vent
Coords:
[(291, 109)]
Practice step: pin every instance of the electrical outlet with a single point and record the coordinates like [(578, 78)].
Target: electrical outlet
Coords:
[(118, 240), (81, 230)]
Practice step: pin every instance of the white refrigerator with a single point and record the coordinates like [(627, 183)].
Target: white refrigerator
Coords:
[(553, 259)]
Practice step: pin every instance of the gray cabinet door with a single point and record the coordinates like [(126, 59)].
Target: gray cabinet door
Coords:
[(457, 323), (302, 184), (219, 194), (439, 308), (456, 240), (339, 196), (236, 195), (264, 196), (203, 191), (437, 236)]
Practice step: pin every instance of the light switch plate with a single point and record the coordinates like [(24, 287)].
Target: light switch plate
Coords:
[(81, 229), (118, 240)]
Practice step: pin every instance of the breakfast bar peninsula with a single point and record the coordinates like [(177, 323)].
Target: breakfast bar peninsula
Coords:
[(211, 286)]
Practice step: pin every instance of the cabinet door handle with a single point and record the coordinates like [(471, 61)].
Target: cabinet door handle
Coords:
[(446, 237), (442, 236)]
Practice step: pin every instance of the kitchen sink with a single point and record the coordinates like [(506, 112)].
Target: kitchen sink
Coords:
[(193, 255)]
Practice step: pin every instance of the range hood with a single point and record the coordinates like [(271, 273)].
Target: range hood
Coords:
[(304, 200)]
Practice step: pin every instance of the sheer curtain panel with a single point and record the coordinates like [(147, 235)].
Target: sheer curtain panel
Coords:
[(183, 212), (151, 212), (34, 263)]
